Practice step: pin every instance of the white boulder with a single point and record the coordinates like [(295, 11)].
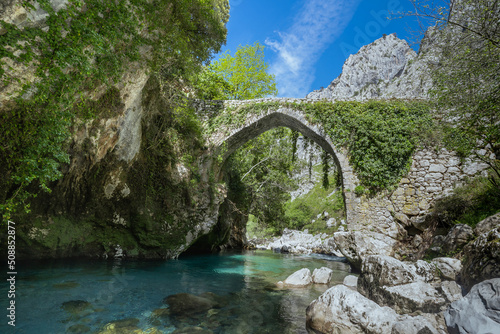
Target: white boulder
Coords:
[(351, 281), (322, 275), (342, 310), (300, 278)]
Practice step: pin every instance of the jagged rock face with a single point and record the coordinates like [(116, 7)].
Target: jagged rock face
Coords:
[(406, 287), (481, 259), (104, 199), (478, 311), (342, 310), (386, 68), (356, 246)]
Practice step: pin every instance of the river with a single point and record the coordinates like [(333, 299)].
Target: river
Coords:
[(84, 296)]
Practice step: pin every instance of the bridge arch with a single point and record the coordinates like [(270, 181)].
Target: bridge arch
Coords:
[(227, 140)]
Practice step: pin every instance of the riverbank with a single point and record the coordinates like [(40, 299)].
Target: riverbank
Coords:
[(440, 295)]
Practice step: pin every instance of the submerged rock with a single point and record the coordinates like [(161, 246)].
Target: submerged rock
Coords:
[(77, 307), (192, 330), (188, 304), (299, 278), (78, 329), (66, 285), (478, 311), (322, 275), (113, 329)]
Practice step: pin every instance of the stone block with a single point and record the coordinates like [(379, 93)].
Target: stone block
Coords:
[(411, 208), (424, 204), (453, 170), (434, 189), (452, 162), (424, 163), (410, 191), (433, 177), (437, 168)]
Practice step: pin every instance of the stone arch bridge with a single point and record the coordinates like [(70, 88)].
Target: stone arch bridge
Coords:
[(433, 174)]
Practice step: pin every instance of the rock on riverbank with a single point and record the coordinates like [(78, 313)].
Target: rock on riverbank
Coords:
[(299, 242)]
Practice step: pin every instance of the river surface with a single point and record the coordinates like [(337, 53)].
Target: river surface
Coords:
[(84, 296)]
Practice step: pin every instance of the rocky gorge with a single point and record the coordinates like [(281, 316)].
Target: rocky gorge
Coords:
[(139, 185), (442, 295)]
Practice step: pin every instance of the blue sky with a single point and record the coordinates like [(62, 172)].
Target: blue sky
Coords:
[(307, 41)]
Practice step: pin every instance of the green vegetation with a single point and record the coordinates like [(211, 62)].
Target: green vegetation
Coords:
[(84, 51), (240, 77), (265, 168), (380, 136), (466, 80), (301, 211), (469, 204)]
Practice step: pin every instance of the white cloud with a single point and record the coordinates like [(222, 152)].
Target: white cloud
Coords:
[(317, 25)]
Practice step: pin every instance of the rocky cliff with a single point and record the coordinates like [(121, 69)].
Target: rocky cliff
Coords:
[(135, 184), (387, 68)]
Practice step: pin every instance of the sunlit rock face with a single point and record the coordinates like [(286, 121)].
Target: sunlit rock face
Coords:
[(406, 287), (386, 68)]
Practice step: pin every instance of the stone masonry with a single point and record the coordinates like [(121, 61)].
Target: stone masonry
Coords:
[(433, 174)]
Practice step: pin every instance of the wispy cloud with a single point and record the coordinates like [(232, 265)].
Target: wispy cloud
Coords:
[(317, 25)]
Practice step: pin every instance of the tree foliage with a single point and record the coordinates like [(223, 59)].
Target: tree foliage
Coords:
[(85, 50), (266, 169), (466, 79), (239, 77)]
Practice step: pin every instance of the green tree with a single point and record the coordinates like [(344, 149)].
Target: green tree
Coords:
[(466, 79), (266, 170), (245, 74)]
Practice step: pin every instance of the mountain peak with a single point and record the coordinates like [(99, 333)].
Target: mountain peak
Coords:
[(385, 68)]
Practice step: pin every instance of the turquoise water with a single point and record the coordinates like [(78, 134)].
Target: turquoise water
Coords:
[(86, 296)]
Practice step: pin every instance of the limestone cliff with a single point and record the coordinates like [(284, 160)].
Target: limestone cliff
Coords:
[(136, 183), (387, 68)]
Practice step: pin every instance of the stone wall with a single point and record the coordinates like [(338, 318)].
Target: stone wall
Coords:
[(433, 174)]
